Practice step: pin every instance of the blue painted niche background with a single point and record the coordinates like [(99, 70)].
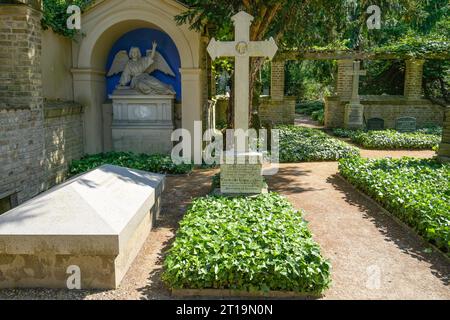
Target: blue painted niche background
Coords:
[(143, 38)]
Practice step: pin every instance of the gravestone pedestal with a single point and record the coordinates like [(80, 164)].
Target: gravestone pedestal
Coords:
[(354, 116), (241, 173), (141, 123)]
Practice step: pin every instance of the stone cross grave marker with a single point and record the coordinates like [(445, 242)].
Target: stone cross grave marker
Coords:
[(354, 111), (355, 86), (242, 49), (243, 175)]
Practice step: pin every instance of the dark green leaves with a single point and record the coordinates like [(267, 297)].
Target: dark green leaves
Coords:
[(299, 144), (242, 243), (416, 191), (151, 163), (428, 138)]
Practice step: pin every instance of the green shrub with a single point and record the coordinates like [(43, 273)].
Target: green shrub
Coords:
[(151, 163), (299, 144), (318, 116), (426, 138), (245, 243), (391, 139), (309, 107), (416, 191)]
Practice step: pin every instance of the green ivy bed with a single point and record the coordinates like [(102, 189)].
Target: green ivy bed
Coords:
[(299, 144), (247, 244), (417, 191)]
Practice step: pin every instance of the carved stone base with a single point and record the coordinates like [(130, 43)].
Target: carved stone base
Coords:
[(142, 124), (241, 173), (354, 116)]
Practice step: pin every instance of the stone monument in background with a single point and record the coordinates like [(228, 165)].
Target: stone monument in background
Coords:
[(354, 111), (241, 168), (142, 105)]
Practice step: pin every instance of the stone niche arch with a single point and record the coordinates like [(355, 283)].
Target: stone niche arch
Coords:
[(102, 25)]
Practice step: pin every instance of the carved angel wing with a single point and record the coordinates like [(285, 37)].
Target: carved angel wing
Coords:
[(120, 61), (160, 64)]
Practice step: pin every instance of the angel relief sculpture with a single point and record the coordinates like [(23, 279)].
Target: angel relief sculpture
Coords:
[(136, 71)]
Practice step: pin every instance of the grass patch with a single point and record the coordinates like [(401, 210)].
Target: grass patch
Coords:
[(151, 163), (423, 139), (243, 243), (417, 191), (298, 144)]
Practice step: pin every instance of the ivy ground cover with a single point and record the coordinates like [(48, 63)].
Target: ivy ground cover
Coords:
[(298, 144), (151, 163), (416, 191), (391, 139), (244, 243)]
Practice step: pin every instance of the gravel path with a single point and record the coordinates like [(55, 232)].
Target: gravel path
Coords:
[(372, 256)]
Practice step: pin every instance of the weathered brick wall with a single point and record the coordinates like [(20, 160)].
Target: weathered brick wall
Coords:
[(344, 82), (444, 149), (270, 110), (21, 102), (389, 108), (334, 112), (277, 80), (413, 79), (277, 111), (63, 126)]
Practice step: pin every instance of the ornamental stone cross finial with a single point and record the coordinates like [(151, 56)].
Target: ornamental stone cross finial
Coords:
[(242, 49)]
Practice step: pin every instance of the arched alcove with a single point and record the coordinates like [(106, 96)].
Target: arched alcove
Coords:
[(143, 38), (102, 26)]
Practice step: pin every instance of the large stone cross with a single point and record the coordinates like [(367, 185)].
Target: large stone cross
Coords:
[(356, 73), (242, 49)]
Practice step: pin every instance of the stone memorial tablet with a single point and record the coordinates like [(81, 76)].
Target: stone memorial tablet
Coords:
[(375, 124), (406, 124)]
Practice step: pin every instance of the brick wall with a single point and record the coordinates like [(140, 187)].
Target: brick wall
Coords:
[(63, 127), (270, 110), (21, 102), (388, 108), (413, 79), (344, 82), (444, 150), (277, 111), (36, 142), (277, 80)]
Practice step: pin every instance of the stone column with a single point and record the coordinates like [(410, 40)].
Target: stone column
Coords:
[(413, 79), (191, 82), (21, 101), (344, 80), (277, 80), (90, 91), (444, 149)]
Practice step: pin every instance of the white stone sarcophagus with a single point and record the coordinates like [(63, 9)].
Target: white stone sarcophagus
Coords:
[(95, 223), (142, 123)]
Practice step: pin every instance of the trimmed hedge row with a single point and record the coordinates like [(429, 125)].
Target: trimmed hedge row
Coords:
[(298, 144), (390, 139), (244, 243), (151, 163), (417, 191)]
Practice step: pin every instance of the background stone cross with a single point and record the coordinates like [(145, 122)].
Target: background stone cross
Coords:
[(356, 73)]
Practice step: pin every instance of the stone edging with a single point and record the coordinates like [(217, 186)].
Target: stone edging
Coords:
[(229, 293), (397, 220)]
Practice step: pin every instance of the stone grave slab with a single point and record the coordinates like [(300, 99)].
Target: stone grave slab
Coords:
[(96, 222), (406, 124), (354, 116), (375, 124)]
